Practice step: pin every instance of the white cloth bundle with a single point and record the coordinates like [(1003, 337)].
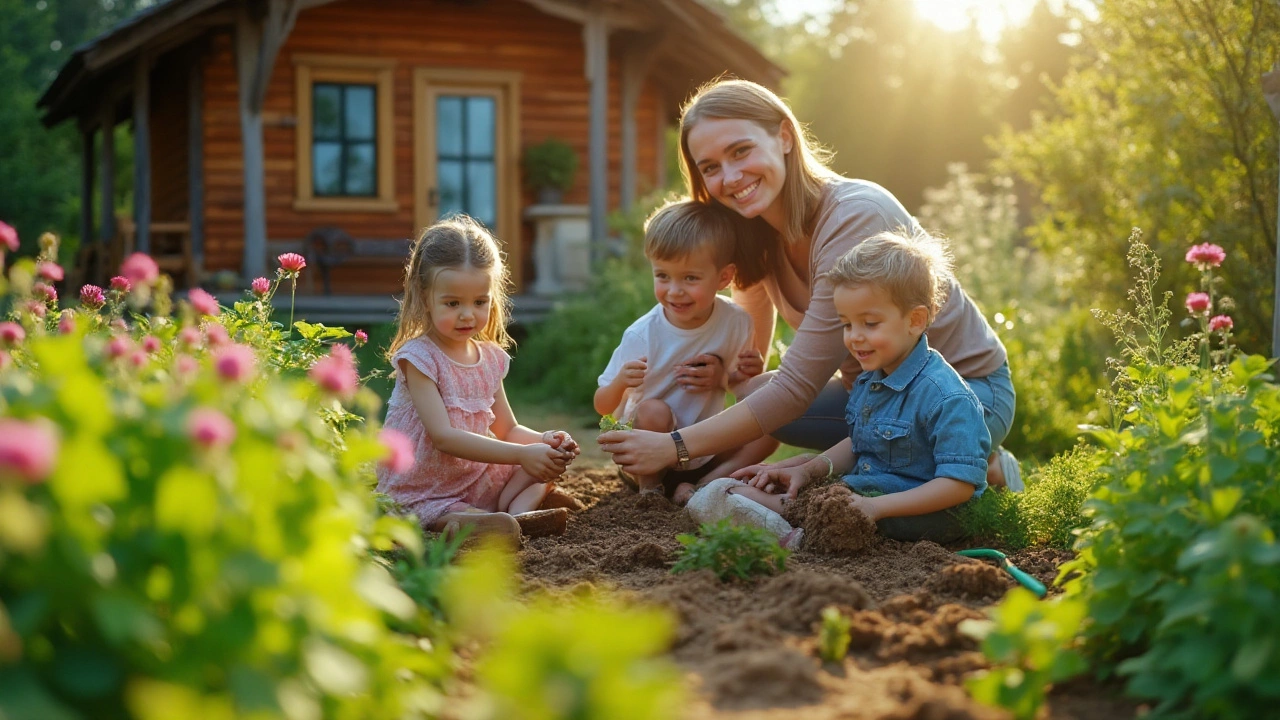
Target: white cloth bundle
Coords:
[(713, 502)]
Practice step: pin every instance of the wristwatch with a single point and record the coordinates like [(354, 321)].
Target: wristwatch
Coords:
[(682, 452)]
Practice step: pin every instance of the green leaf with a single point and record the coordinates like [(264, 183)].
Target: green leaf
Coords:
[(1224, 500), (1252, 658), (22, 696), (187, 502), (87, 473), (123, 619)]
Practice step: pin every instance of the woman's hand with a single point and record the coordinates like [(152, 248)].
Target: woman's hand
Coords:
[(542, 461), (703, 373), (639, 452), (750, 364)]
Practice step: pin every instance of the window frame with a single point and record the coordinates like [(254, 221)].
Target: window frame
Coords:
[(312, 69)]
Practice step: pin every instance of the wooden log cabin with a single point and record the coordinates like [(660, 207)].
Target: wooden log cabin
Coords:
[(338, 128)]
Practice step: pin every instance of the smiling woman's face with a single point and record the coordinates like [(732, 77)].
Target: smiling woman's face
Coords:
[(742, 165)]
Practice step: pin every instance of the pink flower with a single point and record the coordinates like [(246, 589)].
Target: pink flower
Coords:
[(292, 263), (49, 294), (50, 271), (36, 308), (362, 337), (336, 373), (4, 359), (189, 336), (92, 297), (186, 365), (119, 346), (1206, 255), (203, 302), (235, 363), (399, 458), (8, 236), (261, 286), (120, 324), (11, 333), (216, 335), (151, 343), (67, 323), (1221, 322), (140, 269), (138, 358), (210, 428), (121, 284), (28, 450), (1197, 302)]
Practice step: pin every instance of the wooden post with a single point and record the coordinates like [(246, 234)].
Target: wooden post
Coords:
[(195, 165), (258, 41), (635, 65), (142, 153), (107, 228), (660, 144), (86, 186), (595, 36), (1271, 91)]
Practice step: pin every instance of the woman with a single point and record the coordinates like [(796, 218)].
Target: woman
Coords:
[(742, 148)]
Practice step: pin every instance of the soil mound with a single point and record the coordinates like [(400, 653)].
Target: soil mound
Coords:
[(831, 524), (796, 599), (778, 677), (971, 580)]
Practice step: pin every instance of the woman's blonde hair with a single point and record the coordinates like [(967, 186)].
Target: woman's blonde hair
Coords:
[(913, 267), (806, 165), (455, 242)]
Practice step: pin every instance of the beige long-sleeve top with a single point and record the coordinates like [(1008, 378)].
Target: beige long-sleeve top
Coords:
[(851, 211)]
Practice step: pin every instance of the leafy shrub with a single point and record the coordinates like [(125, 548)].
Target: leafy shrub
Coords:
[(731, 551), (551, 163)]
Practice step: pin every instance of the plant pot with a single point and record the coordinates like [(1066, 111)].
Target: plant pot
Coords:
[(550, 196)]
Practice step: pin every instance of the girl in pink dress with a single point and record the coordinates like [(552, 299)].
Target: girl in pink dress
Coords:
[(475, 465)]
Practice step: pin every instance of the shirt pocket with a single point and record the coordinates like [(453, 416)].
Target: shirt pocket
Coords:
[(891, 440)]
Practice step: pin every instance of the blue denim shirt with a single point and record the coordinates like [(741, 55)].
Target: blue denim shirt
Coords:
[(919, 423)]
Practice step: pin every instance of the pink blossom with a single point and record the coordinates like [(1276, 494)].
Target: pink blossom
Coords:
[(186, 365), (138, 358), (1206, 255), (399, 457), (4, 359), (67, 323), (36, 308), (50, 271), (150, 343), (336, 372), (92, 297), (1221, 322), (292, 263), (140, 269), (235, 362), (28, 450), (121, 284), (49, 294), (203, 302), (216, 335), (362, 337), (1197, 302), (210, 428), (261, 286), (11, 333), (119, 346), (8, 236), (189, 336)]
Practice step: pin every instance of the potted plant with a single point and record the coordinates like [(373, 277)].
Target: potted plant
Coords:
[(549, 168)]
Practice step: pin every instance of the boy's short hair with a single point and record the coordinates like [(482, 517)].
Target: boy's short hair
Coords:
[(681, 227), (914, 268)]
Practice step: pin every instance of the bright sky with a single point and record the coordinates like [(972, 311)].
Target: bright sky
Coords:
[(992, 16)]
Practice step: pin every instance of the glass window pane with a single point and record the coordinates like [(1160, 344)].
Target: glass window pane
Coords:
[(480, 191), (449, 126), (326, 168), (325, 103), (361, 169), (480, 112), (360, 112), (449, 177)]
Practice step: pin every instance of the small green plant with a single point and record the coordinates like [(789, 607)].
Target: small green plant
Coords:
[(609, 423), (1032, 643), (833, 637), (550, 164), (731, 551)]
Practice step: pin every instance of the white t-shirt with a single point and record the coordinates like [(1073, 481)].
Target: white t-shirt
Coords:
[(726, 333)]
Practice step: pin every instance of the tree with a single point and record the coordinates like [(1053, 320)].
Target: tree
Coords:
[(1162, 125)]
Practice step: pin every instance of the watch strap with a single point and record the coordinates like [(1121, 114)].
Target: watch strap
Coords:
[(682, 452)]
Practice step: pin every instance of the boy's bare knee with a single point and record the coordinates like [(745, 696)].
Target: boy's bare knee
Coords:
[(654, 415)]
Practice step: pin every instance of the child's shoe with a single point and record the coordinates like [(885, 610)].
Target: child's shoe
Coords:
[(1012, 471), (541, 523)]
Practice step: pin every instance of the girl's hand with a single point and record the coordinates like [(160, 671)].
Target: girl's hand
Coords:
[(866, 506), (639, 452), (542, 461), (632, 373), (789, 479), (750, 364), (562, 440), (748, 473), (703, 373)]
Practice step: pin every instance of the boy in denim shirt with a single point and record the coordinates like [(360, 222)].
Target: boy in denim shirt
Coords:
[(917, 444)]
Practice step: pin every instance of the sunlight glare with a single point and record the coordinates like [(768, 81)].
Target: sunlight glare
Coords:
[(991, 16)]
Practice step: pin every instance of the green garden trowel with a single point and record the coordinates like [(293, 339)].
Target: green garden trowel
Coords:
[(1023, 578)]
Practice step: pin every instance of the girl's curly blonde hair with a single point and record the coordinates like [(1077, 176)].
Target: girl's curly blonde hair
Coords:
[(455, 242)]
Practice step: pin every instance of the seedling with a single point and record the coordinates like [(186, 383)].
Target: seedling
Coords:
[(731, 551), (609, 422), (833, 638)]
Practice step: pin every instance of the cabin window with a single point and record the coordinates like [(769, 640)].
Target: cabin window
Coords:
[(345, 135), (465, 155)]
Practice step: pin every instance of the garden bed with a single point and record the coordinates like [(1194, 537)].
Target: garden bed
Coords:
[(749, 648)]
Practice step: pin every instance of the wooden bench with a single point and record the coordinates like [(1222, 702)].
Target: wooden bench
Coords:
[(330, 247)]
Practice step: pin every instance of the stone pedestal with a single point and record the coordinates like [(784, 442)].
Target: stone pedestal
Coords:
[(561, 248)]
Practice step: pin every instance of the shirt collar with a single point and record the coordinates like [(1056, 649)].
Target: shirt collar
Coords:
[(909, 368)]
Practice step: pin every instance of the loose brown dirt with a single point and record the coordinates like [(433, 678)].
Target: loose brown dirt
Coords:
[(750, 649)]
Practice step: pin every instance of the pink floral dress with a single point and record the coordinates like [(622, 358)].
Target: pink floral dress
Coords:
[(438, 480)]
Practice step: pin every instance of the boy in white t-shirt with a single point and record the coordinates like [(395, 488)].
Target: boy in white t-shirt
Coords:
[(675, 363)]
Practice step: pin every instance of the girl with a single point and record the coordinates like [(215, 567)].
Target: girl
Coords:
[(742, 149), (474, 465)]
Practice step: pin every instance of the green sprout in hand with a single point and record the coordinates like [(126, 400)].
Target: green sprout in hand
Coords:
[(609, 423)]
